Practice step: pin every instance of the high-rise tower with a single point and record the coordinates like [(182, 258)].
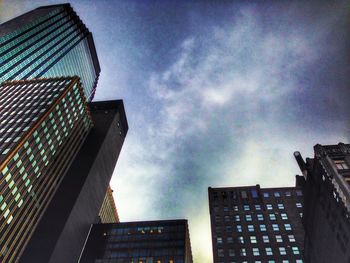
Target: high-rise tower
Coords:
[(50, 41), (253, 224), (327, 203), (43, 123)]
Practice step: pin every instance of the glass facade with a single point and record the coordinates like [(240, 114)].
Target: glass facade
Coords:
[(139, 242), (251, 224), (54, 43), (42, 125)]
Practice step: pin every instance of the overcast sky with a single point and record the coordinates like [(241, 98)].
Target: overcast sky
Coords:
[(216, 94)]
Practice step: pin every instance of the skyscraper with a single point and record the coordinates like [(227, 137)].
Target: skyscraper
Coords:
[(50, 41), (42, 126), (165, 241), (253, 224), (108, 212), (327, 203)]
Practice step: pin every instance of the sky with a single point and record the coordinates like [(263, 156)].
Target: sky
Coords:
[(216, 94)]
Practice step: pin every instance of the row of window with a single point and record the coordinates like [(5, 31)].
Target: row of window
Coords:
[(246, 207), (253, 193), (255, 240), (250, 218), (262, 228), (268, 261), (267, 251)]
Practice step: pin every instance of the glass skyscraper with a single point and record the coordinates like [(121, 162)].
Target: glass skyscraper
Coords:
[(50, 41), (42, 125)]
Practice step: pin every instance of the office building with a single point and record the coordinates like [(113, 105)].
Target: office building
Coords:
[(165, 241), (327, 203), (64, 227), (50, 41), (43, 123), (108, 212), (259, 225)]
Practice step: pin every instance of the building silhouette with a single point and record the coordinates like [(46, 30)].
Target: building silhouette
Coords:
[(327, 203), (139, 242), (253, 224), (58, 149), (50, 41)]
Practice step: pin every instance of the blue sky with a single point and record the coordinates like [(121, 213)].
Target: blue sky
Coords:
[(215, 95)]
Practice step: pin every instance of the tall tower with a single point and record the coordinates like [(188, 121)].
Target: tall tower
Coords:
[(253, 224), (327, 203), (43, 123), (50, 41)]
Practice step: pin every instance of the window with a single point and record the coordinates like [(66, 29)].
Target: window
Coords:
[(272, 217), (277, 194), (250, 228), (244, 194), (231, 252), (268, 251), (280, 206), (243, 252), (279, 239), (219, 240), (291, 238), (260, 217), (266, 239), (237, 218), (228, 228), (239, 228), (265, 194), (285, 261), (341, 164), (248, 218), (287, 227), (254, 193), (299, 261), (235, 208), (225, 208), (295, 250), (299, 193), (269, 207), (262, 227), (253, 239), (282, 251), (299, 205), (246, 208), (257, 207), (288, 193), (230, 240), (240, 240), (220, 252), (284, 216), (275, 227), (227, 218), (256, 251)]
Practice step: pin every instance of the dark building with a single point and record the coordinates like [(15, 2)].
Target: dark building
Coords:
[(108, 212), (50, 41), (42, 126), (165, 241), (327, 203), (253, 224), (64, 227)]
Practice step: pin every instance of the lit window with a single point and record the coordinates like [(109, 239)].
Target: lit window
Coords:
[(277, 194), (253, 239), (299, 261), (269, 207), (257, 207), (237, 218), (299, 205), (239, 228), (243, 252), (240, 240), (275, 227), (272, 217), (291, 238), (280, 206), (246, 208), (256, 251), (250, 228), (248, 218), (288, 193), (266, 239), (287, 227), (299, 193), (341, 164), (219, 240), (225, 208), (262, 227), (235, 208), (282, 251), (284, 216), (265, 194), (260, 217), (268, 251), (254, 193), (295, 250), (279, 239)]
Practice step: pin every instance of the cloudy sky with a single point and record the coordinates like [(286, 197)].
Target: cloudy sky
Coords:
[(216, 94)]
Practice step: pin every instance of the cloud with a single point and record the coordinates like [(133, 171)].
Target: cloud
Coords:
[(235, 103)]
